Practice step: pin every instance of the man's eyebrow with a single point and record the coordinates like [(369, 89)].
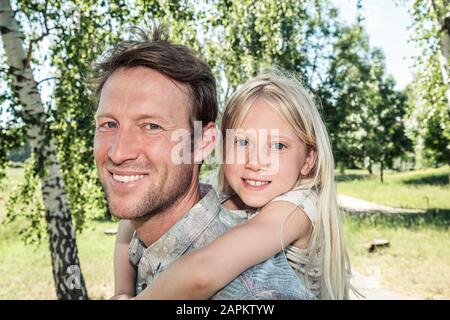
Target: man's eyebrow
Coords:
[(136, 117), (145, 116), (104, 115)]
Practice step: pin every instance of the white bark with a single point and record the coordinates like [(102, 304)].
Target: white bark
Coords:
[(444, 45), (59, 224), (444, 58)]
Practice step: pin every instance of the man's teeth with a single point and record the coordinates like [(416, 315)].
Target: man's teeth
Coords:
[(256, 183), (128, 178)]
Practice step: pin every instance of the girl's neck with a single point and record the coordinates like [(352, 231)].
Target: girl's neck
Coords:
[(235, 203)]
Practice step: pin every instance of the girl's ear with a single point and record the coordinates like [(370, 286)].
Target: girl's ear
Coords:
[(310, 161), (207, 142)]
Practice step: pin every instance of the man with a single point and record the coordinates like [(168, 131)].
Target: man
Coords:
[(148, 90)]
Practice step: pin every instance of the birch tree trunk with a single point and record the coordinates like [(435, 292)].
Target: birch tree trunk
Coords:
[(67, 275), (445, 58), (444, 46)]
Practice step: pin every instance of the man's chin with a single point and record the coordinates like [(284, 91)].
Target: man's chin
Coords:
[(126, 213)]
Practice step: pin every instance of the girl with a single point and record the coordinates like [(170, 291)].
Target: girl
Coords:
[(290, 200)]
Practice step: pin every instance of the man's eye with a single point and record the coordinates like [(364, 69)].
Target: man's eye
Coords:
[(153, 126), (278, 146), (241, 142), (109, 125)]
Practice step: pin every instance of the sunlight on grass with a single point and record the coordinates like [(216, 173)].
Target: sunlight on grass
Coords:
[(26, 270), (423, 189), (417, 262), (13, 177)]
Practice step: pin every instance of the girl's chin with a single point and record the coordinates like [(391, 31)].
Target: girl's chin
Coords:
[(255, 202)]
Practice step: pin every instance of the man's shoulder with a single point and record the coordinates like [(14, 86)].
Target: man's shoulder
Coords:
[(272, 279)]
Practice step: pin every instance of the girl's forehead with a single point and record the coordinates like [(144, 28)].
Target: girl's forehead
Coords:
[(259, 132), (263, 116)]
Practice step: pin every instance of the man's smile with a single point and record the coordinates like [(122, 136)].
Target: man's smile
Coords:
[(125, 179), (122, 180)]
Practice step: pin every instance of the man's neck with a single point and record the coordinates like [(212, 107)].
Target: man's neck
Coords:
[(150, 230)]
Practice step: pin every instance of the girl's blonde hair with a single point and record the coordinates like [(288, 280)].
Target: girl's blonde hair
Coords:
[(289, 98)]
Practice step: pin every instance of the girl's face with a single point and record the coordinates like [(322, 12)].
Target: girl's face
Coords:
[(265, 158)]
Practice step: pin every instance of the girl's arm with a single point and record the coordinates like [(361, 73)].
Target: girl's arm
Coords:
[(201, 273), (124, 271)]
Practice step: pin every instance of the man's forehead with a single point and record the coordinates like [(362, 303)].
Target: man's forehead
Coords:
[(145, 79), (143, 92)]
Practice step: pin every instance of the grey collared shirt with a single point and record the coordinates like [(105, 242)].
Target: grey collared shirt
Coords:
[(207, 220)]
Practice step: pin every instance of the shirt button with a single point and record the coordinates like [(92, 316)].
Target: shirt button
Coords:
[(143, 286)]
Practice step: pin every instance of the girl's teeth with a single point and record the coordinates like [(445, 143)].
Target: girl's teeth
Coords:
[(256, 183), (126, 179)]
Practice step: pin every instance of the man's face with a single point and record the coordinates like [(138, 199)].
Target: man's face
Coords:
[(139, 108)]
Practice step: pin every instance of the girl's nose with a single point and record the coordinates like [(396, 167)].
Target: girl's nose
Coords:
[(254, 166)]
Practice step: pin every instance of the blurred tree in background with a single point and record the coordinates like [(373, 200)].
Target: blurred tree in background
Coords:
[(429, 94), (247, 37), (346, 93)]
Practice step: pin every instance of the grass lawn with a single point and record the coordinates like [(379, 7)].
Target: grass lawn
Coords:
[(417, 262), (421, 189), (25, 271), (14, 176)]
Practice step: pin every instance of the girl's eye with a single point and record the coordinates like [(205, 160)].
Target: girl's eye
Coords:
[(241, 142), (153, 126), (278, 146)]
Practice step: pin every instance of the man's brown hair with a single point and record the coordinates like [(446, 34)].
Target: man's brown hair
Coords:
[(177, 62)]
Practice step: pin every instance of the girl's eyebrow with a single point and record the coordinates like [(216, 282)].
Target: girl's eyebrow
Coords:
[(246, 134), (282, 137)]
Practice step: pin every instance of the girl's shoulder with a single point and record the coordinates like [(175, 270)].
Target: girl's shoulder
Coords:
[(305, 199), (298, 196)]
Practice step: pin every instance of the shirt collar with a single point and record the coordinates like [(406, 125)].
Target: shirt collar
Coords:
[(177, 240)]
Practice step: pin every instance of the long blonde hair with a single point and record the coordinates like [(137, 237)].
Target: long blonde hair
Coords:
[(287, 96)]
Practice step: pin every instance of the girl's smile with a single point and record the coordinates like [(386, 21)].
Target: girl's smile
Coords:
[(256, 185)]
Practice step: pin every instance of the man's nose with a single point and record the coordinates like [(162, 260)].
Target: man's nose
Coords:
[(125, 146)]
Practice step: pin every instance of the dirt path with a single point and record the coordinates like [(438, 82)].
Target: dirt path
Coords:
[(370, 288), (354, 204)]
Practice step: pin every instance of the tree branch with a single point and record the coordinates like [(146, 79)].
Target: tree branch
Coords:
[(46, 79), (26, 62)]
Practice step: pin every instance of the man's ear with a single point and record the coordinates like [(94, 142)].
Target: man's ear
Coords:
[(310, 162), (207, 143)]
